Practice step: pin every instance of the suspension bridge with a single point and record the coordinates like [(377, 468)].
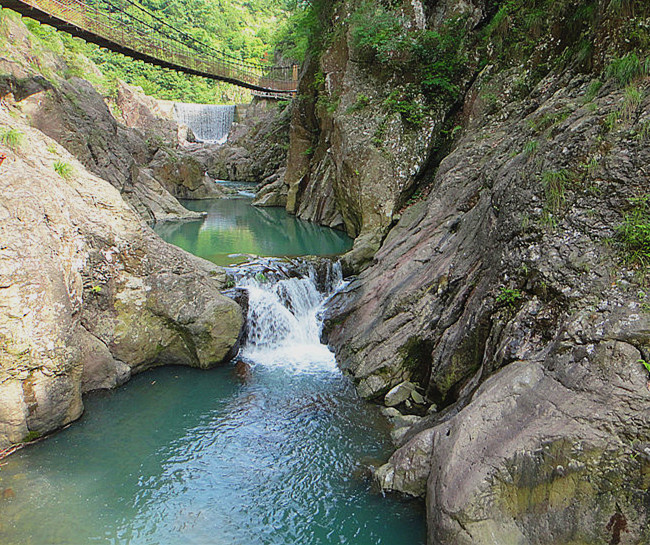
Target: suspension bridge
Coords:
[(126, 27)]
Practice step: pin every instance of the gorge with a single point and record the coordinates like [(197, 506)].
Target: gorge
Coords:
[(489, 161)]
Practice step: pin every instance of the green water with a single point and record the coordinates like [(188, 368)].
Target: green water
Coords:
[(182, 456), (233, 227)]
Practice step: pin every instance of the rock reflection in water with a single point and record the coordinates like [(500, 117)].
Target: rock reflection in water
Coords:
[(233, 226)]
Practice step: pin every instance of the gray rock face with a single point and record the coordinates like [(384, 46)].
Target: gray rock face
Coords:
[(526, 332), (255, 152), (352, 160), (89, 293), (506, 297), (399, 394), (183, 175)]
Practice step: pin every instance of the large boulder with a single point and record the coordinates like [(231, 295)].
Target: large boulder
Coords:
[(89, 293)]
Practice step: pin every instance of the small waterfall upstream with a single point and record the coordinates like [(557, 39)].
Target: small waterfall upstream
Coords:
[(209, 123), (284, 319)]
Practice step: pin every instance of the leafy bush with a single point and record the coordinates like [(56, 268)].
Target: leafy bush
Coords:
[(301, 32), (378, 31), (432, 63)]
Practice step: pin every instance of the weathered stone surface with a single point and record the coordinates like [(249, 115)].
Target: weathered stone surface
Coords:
[(256, 151), (76, 116), (183, 175), (139, 111), (532, 452), (508, 302), (89, 293), (398, 394), (352, 162)]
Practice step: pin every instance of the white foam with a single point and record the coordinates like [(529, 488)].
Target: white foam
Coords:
[(284, 325)]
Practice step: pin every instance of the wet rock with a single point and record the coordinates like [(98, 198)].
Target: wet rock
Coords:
[(242, 371), (390, 412), (8, 494)]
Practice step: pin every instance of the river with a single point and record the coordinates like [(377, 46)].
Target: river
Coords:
[(272, 449)]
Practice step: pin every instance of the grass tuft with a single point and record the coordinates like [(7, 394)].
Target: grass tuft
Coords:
[(63, 169), (11, 138)]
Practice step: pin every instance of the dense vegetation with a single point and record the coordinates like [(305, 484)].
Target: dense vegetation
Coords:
[(242, 29)]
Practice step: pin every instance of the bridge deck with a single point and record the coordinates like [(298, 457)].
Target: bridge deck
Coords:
[(106, 30)]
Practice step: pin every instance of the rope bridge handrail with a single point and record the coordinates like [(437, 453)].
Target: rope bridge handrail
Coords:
[(121, 31)]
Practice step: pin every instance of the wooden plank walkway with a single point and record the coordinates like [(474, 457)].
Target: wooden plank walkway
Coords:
[(121, 32)]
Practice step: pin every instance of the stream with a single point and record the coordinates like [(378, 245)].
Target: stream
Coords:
[(272, 449)]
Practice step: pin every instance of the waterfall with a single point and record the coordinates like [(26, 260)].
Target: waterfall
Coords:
[(209, 123), (284, 322)]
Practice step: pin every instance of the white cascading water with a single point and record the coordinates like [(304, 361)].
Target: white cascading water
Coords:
[(209, 123), (284, 323)]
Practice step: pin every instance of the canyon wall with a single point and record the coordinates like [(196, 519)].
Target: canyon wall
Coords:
[(507, 297)]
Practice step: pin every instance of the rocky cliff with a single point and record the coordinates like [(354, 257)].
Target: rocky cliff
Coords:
[(90, 294), (506, 308), (126, 139)]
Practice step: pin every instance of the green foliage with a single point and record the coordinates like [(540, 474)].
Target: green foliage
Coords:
[(631, 102), (508, 297), (380, 134), (514, 33), (261, 278), (96, 290), (548, 120), (11, 138), (360, 104), (63, 169), (644, 131), (645, 364), (31, 436), (378, 30), (634, 232), (623, 8), (431, 63), (611, 120), (242, 29), (405, 104), (530, 148), (555, 183), (592, 90), (628, 68), (303, 31)]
